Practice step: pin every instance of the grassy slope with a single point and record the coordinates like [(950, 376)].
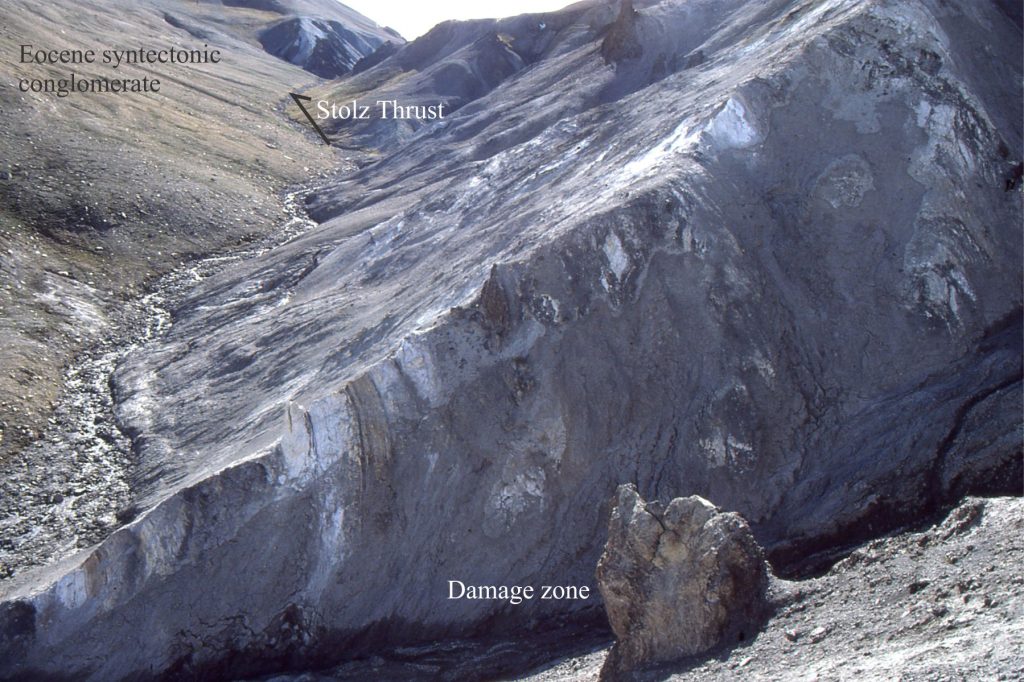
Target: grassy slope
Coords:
[(100, 192)]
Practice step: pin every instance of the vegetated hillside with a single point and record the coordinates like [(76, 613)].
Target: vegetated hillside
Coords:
[(768, 253), (99, 192)]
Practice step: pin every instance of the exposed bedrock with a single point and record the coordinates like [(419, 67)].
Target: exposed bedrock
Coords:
[(324, 37), (677, 580), (785, 278), (621, 40), (321, 46)]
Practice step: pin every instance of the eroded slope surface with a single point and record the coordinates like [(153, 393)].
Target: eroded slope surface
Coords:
[(326, 38), (101, 193), (759, 252), (943, 603)]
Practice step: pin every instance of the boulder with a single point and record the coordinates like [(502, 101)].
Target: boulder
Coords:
[(678, 580)]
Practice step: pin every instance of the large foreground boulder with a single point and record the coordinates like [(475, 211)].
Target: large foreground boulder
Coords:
[(678, 580)]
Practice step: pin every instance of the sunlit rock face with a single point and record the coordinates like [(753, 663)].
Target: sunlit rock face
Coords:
[(677, 580), (770, 260), (324, 37), (327, 48)]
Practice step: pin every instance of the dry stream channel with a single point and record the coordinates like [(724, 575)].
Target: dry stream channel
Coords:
[(71, 487)]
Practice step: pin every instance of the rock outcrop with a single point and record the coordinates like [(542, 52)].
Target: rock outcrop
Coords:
[(324, 37), (785, 278), (621, 41), (945, 602), (321, 46), (678, 580), (458, 63)]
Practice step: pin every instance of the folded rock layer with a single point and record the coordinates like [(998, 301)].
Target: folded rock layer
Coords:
[(770, 260)]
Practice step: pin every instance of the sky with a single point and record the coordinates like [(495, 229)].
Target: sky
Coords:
[(413, 18)]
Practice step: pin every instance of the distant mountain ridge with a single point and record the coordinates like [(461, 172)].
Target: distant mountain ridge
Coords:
[(324, 37), (321, 46)]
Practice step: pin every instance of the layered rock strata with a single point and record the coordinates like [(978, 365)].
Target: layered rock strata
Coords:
[(783, 276)]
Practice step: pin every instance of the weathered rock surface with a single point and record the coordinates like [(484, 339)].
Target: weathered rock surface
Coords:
[(98, 197), (621, 41), (322, 46), (945, 602), (90, 210), (324, 37), (770, 261), (678, 580)]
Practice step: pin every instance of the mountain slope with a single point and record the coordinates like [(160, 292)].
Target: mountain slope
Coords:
[(100, 192), (326, 38), (940, 602), (770, 259)]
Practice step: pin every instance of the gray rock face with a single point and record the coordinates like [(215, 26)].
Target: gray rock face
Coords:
[(784, 276), (459, 63), (324, 37), (678, 580), (621, 41), (327, 48)]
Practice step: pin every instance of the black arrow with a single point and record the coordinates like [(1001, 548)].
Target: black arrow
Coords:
[(299, 99)]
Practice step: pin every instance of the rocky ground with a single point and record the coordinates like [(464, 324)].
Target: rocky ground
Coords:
[(72, 486), (103, 229), (766, 253), (99, 195), (943, 603)]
